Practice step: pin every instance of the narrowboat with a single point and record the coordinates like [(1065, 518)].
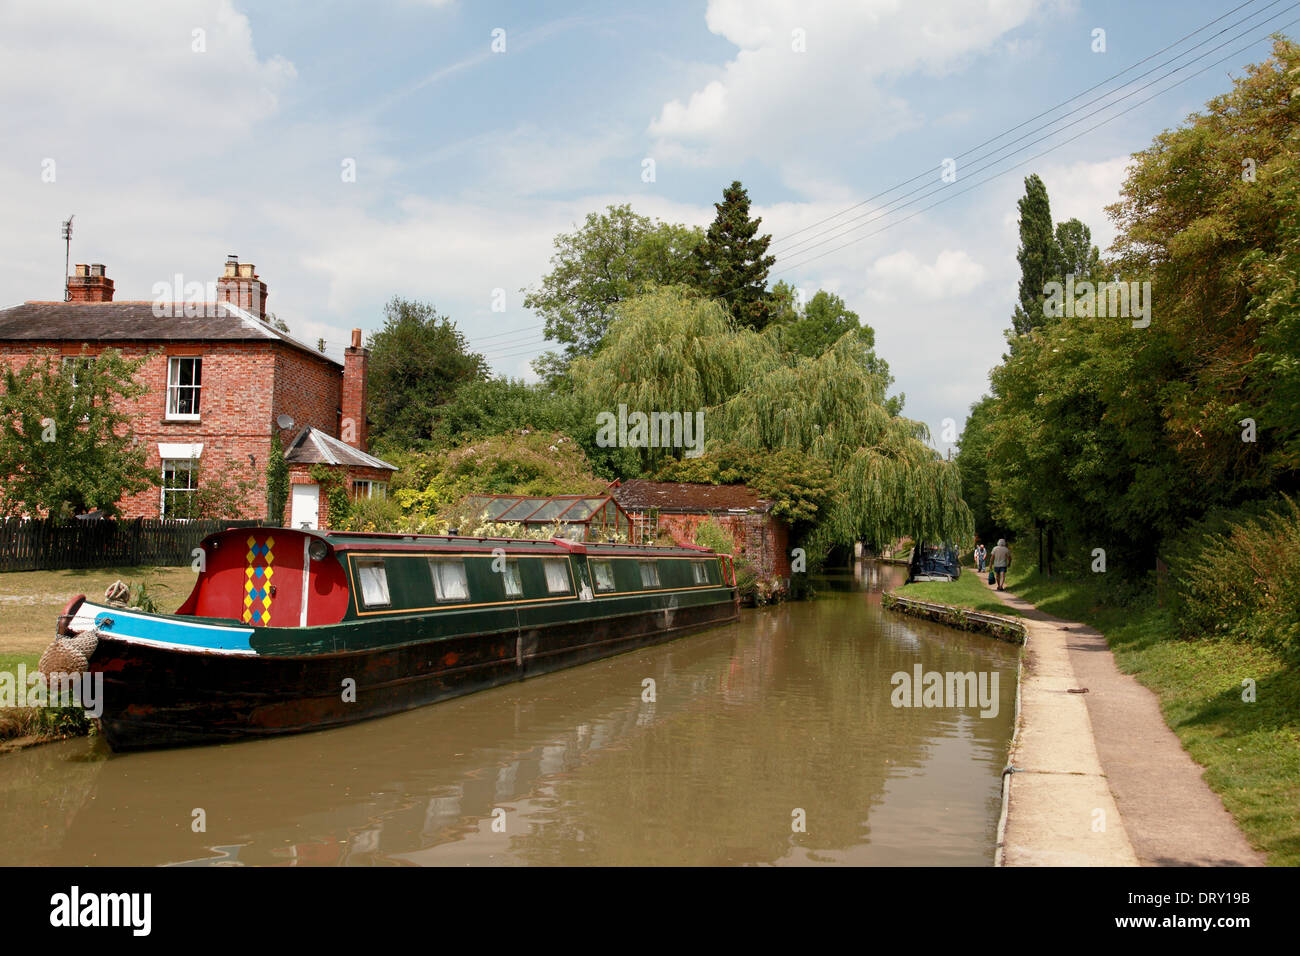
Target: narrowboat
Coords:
[(934, 562), (295, 630)]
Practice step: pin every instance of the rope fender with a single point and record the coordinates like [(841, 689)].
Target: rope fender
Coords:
[(70, 653)]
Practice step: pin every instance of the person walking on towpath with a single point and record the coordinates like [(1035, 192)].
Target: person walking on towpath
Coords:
[(980, 555), (1001, 561)]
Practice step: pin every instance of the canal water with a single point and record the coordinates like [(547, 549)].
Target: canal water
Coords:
[(772, 740)]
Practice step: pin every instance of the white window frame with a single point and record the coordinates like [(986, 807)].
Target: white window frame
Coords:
[(595, 575), (551, 581), (174, 388), (653, 568), (367, 582), (71, 363), (700, 572), (366, 488), (69, 366), (188, 465), (442, 593)]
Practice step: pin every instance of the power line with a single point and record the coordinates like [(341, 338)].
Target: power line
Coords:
[(1039, 115), (932, 188), (1031, 158)]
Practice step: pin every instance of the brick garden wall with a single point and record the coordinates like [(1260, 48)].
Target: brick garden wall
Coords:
[(762, 540)]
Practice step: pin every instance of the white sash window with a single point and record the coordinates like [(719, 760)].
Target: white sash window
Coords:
[(649, 574), (184, 383)]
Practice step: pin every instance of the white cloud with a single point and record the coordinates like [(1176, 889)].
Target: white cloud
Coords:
[(75, 74), (902, 276), (771, 99)]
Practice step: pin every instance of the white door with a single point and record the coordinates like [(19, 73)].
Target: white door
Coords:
[(305, 512)]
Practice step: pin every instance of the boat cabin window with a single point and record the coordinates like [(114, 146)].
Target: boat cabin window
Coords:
[(603, 572), (557, 575), (449, 581), (700, 571), (649, 574), (373, 579), (514, 584)]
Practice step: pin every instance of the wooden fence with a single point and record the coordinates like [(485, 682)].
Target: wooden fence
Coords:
[(51, 545)]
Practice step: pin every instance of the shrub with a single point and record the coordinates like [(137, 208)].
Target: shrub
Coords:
[(381, 515), (1244, 581), (710, 534)]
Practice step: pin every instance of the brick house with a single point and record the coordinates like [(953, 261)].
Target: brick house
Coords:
[(679, 508), (220, 383)]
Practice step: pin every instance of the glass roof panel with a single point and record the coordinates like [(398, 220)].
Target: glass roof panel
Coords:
[(522, 510), (498, 506), (550, 510), (580, 511)]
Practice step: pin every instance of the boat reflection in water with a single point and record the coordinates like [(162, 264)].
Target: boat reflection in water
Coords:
[(786, 709)]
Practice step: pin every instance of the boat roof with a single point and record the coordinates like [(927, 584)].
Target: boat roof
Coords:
[(398, 543)]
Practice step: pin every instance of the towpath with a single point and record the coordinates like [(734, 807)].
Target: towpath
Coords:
[(1100, 779)]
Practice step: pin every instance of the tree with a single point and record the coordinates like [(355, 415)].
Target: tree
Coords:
[(1038, 255), (973, 461), (417, 361), (1210, 213), (614, 255), (66, 447), (1121, 436), (811, 330), (672, 351), (732, 263), (888, 481), (1075, 254)]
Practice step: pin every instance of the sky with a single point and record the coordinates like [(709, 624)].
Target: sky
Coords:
[(434, 149)]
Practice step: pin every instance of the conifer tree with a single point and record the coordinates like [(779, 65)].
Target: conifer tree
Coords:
[(731, 264)]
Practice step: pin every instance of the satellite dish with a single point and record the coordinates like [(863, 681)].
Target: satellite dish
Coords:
[(284, 421)]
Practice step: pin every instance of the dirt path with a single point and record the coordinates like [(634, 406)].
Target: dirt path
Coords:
[(1170, 815)]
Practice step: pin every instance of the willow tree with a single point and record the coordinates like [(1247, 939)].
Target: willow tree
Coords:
[(888, 481), (673, 351)]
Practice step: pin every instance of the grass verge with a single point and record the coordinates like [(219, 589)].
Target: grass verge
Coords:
[(1250, 750), (30, 601), (967, 591)]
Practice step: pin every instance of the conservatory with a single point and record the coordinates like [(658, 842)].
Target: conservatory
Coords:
[(576, 517)]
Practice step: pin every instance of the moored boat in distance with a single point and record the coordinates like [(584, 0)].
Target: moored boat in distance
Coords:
[(934, 562), (295, 630)]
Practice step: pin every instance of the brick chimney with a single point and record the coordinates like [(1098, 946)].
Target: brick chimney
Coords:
[(352, 424), (240, 286), (90, 285)]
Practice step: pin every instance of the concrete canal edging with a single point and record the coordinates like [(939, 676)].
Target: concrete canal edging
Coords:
[(966, 619), (1057, 807)]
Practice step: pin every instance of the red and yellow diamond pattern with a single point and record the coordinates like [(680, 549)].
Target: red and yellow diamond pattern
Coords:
[(257, 581)]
